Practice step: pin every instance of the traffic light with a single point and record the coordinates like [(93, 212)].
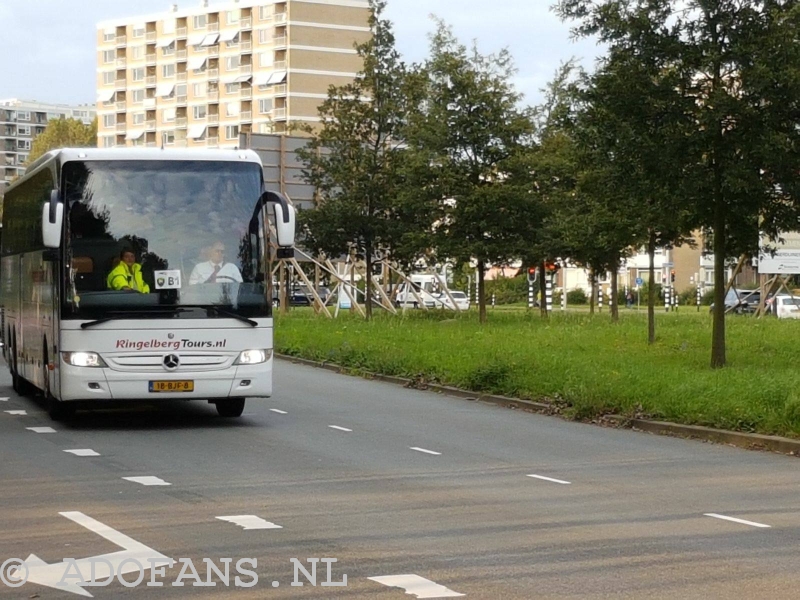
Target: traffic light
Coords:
[(552, 266), (672, 275), (531, 274)]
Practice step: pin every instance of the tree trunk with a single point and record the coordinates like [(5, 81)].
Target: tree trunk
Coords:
[(651, 289), (718, 333), (614, 295), (368, 280), (481, 293), (592, 291), (543, 290)]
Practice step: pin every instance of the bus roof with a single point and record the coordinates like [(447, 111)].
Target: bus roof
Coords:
[(64, 155)]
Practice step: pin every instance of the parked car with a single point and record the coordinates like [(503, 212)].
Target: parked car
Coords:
[(741, 301), (460, 298), (785, 306)]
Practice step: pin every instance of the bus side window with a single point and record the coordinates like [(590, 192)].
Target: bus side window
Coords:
[(84, 273)]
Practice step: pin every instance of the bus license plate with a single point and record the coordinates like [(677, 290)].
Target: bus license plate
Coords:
[(172, 386)]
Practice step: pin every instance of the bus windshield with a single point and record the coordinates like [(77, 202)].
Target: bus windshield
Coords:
[(154, 235)]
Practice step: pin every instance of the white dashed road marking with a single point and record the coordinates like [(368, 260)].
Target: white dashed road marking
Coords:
[(250, 522), (41, 429), (3, 399), (550, 479), (280, 412), (340, 428), (83, 452), (735, 520), (426, 451), (20, 413), (147, 480), (416, 586)]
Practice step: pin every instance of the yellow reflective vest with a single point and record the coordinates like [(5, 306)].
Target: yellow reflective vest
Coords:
[(121, 277)]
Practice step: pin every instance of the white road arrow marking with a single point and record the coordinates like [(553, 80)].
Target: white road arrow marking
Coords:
[(250, 522), (147, 480), (340, 428), (50, 575), (83, 452), (735, 520), (3, 399), (417, 586), (20, 413), (277, 410), (41, 429), (426, 451), (543, 478)]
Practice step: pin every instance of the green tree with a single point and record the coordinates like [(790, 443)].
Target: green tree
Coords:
[(356, 158), (467, 130), (63, 133), (740, 74)]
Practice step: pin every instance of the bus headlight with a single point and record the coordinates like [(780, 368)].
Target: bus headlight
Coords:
[(253, 357), (83, 359)]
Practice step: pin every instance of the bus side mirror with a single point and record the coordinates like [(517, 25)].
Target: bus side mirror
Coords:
[(52, 220), (285, 220)]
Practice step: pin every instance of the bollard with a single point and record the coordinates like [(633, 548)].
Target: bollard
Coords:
[(549, 293), (531, 297)]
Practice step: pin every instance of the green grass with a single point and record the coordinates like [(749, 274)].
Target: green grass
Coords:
[(588, 365)]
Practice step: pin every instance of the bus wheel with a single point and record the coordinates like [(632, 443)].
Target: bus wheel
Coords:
[(230, 407), (58, 410), (13, 366)]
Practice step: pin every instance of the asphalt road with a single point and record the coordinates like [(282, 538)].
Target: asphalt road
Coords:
[(392, 482)]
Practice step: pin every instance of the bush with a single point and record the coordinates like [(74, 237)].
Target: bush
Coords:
[(577, 297), (509, 290)]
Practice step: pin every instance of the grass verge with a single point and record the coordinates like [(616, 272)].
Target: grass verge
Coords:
[(585, 364)]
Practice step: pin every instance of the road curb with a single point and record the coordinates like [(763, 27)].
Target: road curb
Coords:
[(748, 441)]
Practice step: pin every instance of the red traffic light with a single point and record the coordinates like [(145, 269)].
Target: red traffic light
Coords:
[(551, 266)]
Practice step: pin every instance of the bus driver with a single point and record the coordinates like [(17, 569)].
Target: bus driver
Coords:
[(215, 269)]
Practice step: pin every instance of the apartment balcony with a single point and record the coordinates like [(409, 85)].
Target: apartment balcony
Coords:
[(182, 122), (212, 141), (151, 36), (181, 143), (8, 177), (151, 145), (150, 125), (246, 23), (122, 40), (149, 102), (182, 32), (182, 100), (121, 84), (245, 69), (246, 117), (213, 51), (183, 76), (182, 55), (213, 119), (279, 90), (121, 63), (279, 18), (150, 60), (213, 27), (121, 127), (246, 47), (279, 41), (213, 74), (246, 93), (279, 65), (120, 106), (279, 114)]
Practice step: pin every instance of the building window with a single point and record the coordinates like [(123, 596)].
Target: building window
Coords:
[(168, 138), (24, 130), (137, 52), (138, 96), (168, 50), (110, 37), (137, 74), (138, 31), (109, 77), (199, 112), (232, 109), (138, 118), (199, 89), (109, 56), (168, 115), (265, 105), (231, 132), (23, 115), (232, 17), (231, 88), (234, 42), (181, 90), (232, 63), (108, 141), (266, 59), (265, 12), (109, 121), (200, 21), (168, 70), (264, 36), (23, 144), (169, 26)]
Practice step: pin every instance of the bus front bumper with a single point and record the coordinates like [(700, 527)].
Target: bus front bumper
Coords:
[(242, 381)]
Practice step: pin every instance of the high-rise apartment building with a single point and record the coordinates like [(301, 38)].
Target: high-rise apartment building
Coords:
[(20, 122), (199, 77)]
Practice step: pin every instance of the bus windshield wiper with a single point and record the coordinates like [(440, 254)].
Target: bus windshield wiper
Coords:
[(233, 315), (132, 314)]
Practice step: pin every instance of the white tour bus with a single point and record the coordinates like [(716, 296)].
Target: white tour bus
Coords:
[(140, 274)]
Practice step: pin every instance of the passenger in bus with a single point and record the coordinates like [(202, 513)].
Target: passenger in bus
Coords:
[(127, 275), (215, 269)]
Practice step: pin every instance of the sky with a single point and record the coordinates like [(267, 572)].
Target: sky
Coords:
[(49, 46)]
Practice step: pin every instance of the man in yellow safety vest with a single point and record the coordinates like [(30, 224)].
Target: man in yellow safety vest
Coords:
[(127, 275)]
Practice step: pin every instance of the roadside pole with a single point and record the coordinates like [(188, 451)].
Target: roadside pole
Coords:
[(549, 292), (599, 298)]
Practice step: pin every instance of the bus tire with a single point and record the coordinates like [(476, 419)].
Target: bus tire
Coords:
[(230, 407), (58, 410), (13, 366)]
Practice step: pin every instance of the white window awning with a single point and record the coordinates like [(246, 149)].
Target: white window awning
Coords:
[(165, 43), (196, 62), (229, 36), (106, 96), (164, 89), (196, 131), (242, 78), (134, 135), (210, 39), (195, 39), (261, 78), (276, 78), (233, 109), (169, 114)]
